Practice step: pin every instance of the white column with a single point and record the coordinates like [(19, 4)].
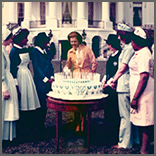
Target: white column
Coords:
[(27, 15), (27, 10), (120, 12), (105, 16), (52, 19), (10, 8), (82, 22)]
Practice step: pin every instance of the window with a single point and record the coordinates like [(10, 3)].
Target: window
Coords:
[(90, 13), (20, 13), (137, 13), (67, 12), (42, 13), (113, 13)]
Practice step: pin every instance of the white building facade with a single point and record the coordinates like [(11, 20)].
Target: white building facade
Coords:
[(96, 18)]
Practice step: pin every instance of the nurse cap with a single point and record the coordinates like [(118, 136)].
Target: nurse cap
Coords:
[(6, 33), (123, 27), (16, 31), (140, 32)]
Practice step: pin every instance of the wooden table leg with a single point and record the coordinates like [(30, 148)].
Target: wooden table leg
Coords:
[(88, 126), (58, 124), (57, 137)]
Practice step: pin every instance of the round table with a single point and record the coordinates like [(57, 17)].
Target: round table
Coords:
[(60, 105)]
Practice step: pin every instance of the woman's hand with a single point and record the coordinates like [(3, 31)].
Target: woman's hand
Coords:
[(134, 104), (140, 89), (105, 85), (6, 95), (50, 81), (113, 85), (66, 69)]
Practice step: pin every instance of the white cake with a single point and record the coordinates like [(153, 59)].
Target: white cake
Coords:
[(87, 86)]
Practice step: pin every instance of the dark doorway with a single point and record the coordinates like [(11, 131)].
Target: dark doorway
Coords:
[(96, 45), (65, 46)]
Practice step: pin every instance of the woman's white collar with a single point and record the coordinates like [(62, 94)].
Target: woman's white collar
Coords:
[(42, 51), (113, 54), (17, 46)]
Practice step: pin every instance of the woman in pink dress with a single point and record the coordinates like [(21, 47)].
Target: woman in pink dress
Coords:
[(141, 87)]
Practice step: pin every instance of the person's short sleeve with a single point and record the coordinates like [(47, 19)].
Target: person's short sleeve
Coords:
[(129, 52), (143, 61)]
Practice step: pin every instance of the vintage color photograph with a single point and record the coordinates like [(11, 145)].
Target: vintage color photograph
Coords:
[(77, 77)]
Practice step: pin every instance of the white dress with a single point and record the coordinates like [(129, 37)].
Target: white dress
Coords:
[(10, 108), (140, 63), (29, 97)]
